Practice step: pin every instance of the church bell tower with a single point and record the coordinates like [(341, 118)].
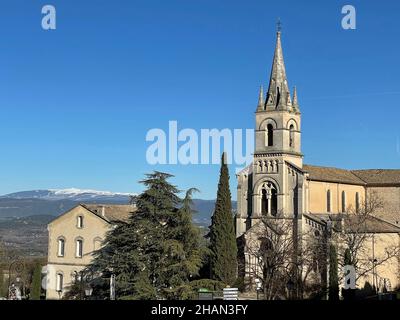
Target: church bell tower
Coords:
[(273, 185)]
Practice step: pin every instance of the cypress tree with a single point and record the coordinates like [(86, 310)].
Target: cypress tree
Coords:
[(154, 254), (347, 257), (36, 285), (348, 294), (222, 232), (333, 290), (2, 289)]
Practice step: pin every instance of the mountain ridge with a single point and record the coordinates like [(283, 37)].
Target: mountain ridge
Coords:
[(56, 201)]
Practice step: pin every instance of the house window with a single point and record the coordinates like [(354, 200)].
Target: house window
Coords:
[(79, 248), (97, 243), (79, 222), (59, 282), (270, 135), (328, 201), (61, 247), (343, 201), (291, 136), (74, 276), (357, 202)]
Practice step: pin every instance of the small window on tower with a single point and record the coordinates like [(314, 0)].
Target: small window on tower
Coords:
[(264, 202), (270, 135), (291, 136)]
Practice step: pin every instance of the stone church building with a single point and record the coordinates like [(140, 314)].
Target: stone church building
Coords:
[(323, 200)]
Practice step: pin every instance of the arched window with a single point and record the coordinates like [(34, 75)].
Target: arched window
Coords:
[(79, 222), (328, 201), (61, 247), (79, 248), (59, 282), (269, 199), (264, 202), (97, 243), (357, 202), (274, 202), (343, 201), (270, 135), (291, 136)]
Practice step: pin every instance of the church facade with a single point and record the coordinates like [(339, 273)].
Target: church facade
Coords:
[(321, 200)]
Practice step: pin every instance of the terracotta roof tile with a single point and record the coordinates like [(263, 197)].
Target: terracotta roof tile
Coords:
[(111, 212), (379, 176), (329, 174), (357, 223)]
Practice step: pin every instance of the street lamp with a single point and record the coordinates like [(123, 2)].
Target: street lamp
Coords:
[(258, 286), (88, 291), (19, 267)]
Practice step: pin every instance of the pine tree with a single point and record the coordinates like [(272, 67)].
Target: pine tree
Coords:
[(155, 253), (36, 285), (222, 232), (333, 292)]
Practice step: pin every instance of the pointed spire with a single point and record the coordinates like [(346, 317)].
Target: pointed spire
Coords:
[(295, 101), (260, 105), (278, 95)]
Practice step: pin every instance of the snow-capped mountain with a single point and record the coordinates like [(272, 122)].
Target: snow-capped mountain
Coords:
[(56, 201), (72, 194)]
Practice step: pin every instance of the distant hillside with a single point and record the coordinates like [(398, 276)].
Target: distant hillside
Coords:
[(24, 215), (73, 194), (28, 235), (56, 202)]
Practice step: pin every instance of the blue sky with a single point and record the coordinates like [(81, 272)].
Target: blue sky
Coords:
[(76, 103)]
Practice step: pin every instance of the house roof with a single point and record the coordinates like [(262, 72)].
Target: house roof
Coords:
[(111, 212), (330, 174)]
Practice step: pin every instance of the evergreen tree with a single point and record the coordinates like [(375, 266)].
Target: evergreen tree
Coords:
[(222, 232), (36, 285), (333, 292), (347, 257), (348, 294), (2, 287), (154, 254)]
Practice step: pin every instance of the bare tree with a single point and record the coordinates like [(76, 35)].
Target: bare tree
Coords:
[(357, 234), (285, 260)]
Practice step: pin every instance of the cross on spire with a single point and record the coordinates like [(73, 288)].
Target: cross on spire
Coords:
[(279, 25)]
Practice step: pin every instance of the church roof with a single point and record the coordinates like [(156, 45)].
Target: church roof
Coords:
[(355, 223), (368, 177), (379, 177), (111, 212), (328, 174)]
